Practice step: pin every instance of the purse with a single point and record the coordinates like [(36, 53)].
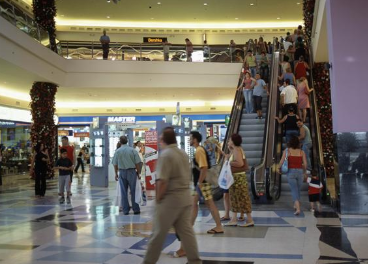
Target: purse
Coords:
[(243, 168), (285, 165)]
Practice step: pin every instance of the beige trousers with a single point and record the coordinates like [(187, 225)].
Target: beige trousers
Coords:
[(179, 218)]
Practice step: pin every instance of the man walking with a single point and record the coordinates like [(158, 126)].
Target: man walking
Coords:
[(173, 201), (289, 98), (105, 42), (127, 166), (70, 155)]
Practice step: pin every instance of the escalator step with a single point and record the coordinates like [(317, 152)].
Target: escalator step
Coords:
[(252, 121), (259, 127), (251, 147)]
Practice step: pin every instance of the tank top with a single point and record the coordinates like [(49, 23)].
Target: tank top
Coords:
[(295, 162), (290, 123), (232, 159), (251, 61), (300, 70), (247, 84)]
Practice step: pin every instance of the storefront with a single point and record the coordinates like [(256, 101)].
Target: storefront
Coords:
[(15, 141)]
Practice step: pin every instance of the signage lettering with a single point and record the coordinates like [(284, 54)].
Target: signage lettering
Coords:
[(154, 40), (81, 134), (121, 119)]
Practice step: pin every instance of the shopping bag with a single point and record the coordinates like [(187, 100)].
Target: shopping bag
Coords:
[(117, 201), (212, 175), (285, 165), (226, 178), (138, 191)]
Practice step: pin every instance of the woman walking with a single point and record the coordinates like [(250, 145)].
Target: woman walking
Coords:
[(39, 162), (239, 194), (303, 98), (80, 157), (297, 164), (291, 126), (248, 86)]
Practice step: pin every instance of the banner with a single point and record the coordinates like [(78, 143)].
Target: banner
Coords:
[(62, 133), (150, 157)]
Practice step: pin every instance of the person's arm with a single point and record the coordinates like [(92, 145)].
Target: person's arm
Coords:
[(47, 157), (137, 162), (281, 77), (116, 168), (307, 88), (294, 79), (302, 133), (202, 163), (282, 96), (306, 65), (161, 188), (281, 120), (304, 165)]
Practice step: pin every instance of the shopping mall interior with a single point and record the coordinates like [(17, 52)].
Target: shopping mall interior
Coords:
[(82, 76)]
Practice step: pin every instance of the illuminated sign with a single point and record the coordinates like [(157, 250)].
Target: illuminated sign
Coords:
[(81, 134), (6, 123), (154, 40), (121, 119)]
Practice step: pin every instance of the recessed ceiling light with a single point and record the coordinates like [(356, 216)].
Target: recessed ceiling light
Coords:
[(152, 18), (159, 3), (251, 4), (278, 18), (108, 17), (62, 15), (298, 3), (108, 1), (205, 4), (236, 18)]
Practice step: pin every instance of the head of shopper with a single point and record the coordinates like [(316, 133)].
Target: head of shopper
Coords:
[(263, 54), (288, 70), (168, 137), (118, 145), (195, 138), (187, 40), (294, 142), (104, 32), (123, 140), (235, 141), (247, 75), (302, 79), (299, 122), (301, 59), (291, 110), (258, 76), (65, 141), (63, 153), (39, 147), (139, 144), (249, 52), (287, 82)]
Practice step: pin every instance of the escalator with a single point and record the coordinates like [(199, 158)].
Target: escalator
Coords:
[(278, 187), (253, 132)]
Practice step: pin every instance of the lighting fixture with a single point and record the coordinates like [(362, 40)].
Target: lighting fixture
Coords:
[(205, 4), (159, 3), (252, 4), (108, 1), (108, 17), (278, 18), (236, 18), (298, 3)]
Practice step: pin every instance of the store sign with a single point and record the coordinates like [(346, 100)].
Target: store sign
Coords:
[(154, 40), (6, 123), (81, 134), (151, 156), (121, 119), (62, 133)]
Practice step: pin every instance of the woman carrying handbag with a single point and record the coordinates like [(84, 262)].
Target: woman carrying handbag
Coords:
[(296, 169), (239, 194)]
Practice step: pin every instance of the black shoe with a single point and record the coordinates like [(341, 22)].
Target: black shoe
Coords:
[(126, 213), (137, 213)]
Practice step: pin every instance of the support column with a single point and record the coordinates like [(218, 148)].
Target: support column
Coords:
[(346, 19), (43, 129)]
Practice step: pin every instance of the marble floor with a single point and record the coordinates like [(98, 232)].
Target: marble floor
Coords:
[(91, 230)]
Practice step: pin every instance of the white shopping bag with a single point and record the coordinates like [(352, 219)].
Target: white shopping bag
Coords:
[(226, 179), (138, 191), (117, 201)]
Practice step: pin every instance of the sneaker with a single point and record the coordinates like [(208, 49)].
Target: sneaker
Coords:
[(61, 200), (68, 200)]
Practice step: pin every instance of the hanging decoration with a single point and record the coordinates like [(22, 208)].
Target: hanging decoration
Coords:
[(322, 89), (44, 12), (43, 129), (308, 13)]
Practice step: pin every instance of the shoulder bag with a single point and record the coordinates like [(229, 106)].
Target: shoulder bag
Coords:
[(285, 165)]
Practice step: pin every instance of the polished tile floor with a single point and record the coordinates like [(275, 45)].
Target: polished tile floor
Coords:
[(91, 230)]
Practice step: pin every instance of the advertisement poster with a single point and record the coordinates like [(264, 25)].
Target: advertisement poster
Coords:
[(151, 156)]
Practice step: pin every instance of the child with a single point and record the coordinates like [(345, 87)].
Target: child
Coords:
[(314, 190), (64, 165)]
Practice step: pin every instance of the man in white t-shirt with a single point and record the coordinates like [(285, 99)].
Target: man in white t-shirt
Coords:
[(289, 98)]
